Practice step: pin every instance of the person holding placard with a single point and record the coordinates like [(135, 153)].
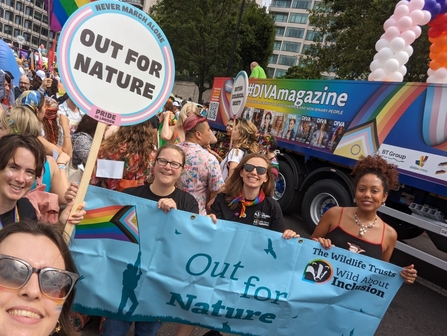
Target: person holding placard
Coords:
[(359, 229), (169, 165)]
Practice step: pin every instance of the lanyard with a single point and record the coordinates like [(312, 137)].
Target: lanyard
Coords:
[(16, 217)]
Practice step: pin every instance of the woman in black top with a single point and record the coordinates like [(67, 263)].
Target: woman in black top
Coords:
[(248, 196), (21, 161), (358, 228)]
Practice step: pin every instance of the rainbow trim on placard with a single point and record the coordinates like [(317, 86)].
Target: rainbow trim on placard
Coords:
[(112, 222)]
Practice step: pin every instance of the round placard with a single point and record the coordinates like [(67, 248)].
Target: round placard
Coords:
[(239, 94), (115, 62)]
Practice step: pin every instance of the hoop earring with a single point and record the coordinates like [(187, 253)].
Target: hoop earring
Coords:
[(57, 328)]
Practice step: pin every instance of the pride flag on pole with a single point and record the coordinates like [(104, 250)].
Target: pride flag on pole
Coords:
[(60, 10)]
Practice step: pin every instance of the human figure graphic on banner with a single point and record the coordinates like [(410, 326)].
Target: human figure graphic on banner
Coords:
[(131, 276)]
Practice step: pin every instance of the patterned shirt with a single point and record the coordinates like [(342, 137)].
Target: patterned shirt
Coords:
[(82, 142), (201, 172), (141, 176)]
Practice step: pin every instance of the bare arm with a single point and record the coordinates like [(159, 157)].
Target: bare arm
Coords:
[(231, 166), (324, 226), (66, 144), (167, 131), (59, 181), (49, 147)]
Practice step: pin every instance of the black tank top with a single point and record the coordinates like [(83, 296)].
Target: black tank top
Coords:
[(347, 241)]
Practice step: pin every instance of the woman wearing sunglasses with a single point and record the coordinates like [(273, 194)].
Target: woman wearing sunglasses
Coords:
[(248, 196), (169, 163), (35, 304)]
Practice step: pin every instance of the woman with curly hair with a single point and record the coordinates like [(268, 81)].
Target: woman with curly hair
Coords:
[(245, 141), (358, 228), (136, 146)]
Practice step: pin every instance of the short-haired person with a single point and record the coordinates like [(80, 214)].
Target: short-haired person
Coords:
[(35, 304), (358, 228), (24, 85), (169, 164), (257, 71), (201, 177), (248, 196), (22, 159)]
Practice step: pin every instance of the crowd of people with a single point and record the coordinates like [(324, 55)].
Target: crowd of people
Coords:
[(174, 159)]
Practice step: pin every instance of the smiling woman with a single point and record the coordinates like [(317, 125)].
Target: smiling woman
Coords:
[(37, 304)]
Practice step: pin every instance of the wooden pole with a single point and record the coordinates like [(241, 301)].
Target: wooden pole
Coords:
[(97, 139)]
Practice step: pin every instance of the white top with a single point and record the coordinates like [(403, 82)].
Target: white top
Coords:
[(234, 155)]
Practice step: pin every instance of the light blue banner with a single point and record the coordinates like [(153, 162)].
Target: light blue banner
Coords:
[(230, 277)]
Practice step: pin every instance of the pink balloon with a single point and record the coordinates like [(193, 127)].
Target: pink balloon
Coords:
[(417, 31), (401, 11), (409, 36), (427, 18), (404, 23), (389, 23), (391, 33), (416, 4), (417, 16)]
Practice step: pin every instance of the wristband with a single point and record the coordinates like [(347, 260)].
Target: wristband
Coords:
[(62, 167)]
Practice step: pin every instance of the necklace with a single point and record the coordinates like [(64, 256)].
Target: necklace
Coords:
[(363, 228)]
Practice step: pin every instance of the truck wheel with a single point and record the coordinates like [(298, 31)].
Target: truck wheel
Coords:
[(285, 186), (319, 198)]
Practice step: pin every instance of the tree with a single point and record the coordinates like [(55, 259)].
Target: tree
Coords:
[(303, 71), (201, 32), (256, 37), (352, 27)]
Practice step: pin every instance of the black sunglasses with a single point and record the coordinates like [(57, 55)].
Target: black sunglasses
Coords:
[(260, 170), (54, 283)]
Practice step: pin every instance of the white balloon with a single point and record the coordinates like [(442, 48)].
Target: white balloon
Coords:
[(402, 57), (376, 56), (376, 64), (416, 4), (384, 54), (427, 17), (379, 75), (409, 50), (389, 23), (371, 77), (382, 43), (441, 73), (394, 77), (444, 80), (403, 70), (430, 72), (397, 44), (416, 30), (402, 2), (390, 66), (432, 79), (401, 11), (404, 23)]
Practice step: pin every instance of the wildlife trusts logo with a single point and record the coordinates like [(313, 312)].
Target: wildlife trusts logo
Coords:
[(318, 271)]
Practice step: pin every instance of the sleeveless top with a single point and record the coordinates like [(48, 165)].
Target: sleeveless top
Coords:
[(46, 177), (347, 241)]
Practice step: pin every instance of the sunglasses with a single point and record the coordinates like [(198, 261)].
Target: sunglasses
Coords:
[(54, 283), (260, 170)]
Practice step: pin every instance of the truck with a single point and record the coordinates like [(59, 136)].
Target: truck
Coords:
[(324, 126)]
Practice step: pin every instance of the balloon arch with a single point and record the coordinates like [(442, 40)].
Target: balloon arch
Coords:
[(401, 30)]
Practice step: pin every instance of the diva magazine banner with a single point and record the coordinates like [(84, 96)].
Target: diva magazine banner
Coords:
[(139, 264)]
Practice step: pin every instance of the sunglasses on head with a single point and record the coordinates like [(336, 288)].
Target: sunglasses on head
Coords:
[(54, 283), (260, 170)]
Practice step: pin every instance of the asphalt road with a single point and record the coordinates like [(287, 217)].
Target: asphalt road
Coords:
[(417, 310)]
